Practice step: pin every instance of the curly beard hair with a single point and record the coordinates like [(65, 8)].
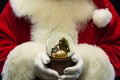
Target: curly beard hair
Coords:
[(48, 16)]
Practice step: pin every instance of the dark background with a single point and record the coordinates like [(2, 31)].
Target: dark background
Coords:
[(116, 4), (2, 4)]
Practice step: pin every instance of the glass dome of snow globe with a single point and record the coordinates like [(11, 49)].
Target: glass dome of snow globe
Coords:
[(60, 45)]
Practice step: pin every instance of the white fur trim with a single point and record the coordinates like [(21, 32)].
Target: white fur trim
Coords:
[(102, 17), (24, 7), (96, 62), (20, 62)]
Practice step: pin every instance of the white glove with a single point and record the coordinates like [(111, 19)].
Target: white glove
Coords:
[(72, 73), (42, 71)]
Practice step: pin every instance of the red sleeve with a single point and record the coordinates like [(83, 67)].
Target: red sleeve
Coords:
[(7, 37), (111, 41)]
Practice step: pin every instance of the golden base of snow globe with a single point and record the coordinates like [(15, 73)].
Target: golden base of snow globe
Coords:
[(60, 64)]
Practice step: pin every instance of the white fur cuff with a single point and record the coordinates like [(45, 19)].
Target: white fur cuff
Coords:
[(102, 17), (96, 62), (20, 62)]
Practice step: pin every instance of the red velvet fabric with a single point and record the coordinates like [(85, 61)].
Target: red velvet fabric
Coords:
[(14, 31)]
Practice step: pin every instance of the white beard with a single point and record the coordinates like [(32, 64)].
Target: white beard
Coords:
[(49, 16)]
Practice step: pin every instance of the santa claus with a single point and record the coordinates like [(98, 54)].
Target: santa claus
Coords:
[(25, 26)]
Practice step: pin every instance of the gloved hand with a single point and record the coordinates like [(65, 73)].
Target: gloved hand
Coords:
[(72, 73), (42, 71)]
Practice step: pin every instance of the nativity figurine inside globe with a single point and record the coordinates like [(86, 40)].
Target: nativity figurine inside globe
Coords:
[(61, 49)]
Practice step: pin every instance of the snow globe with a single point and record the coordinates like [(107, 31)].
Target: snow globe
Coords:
[(60, 47)]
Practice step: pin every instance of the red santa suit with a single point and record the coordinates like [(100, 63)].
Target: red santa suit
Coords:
[(21, 38)]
